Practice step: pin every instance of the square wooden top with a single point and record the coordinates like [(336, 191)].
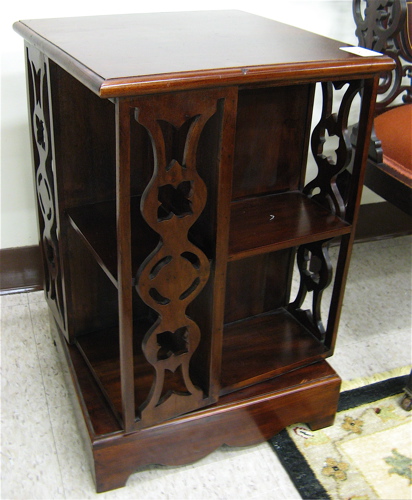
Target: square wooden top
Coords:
[(121, 55)]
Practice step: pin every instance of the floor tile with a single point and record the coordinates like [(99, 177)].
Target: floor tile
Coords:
[(30, 466), (14, 299), (36, 296), (50, 365)]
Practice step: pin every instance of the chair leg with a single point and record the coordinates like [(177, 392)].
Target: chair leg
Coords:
[(406, 402)]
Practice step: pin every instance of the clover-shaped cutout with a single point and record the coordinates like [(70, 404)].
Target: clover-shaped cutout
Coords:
[(172, 343), (174, 201)]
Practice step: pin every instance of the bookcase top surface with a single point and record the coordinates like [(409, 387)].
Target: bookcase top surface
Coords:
[(120, 55)]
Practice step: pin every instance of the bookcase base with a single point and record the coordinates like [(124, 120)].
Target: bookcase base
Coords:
[(246, 417)]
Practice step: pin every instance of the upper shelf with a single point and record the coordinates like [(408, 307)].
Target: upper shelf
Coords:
[(273, 222), (123, 55), (258, 225), (96, 225)]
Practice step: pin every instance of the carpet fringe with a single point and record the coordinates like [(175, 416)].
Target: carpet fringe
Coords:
[(378, 377)]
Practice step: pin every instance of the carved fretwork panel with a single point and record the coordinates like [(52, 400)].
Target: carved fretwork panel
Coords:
[(176, 271), (323, 188), (40, 124), (383, 26), (315, 271)]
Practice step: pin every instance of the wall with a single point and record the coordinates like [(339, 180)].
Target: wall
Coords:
[(18, 219)]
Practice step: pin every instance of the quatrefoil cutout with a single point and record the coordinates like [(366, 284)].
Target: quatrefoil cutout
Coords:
[(172, 343), (174, 200)]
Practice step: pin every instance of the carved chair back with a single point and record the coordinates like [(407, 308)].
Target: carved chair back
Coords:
[(386, 26)]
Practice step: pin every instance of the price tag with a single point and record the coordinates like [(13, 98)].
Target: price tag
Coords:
[(361, 51)]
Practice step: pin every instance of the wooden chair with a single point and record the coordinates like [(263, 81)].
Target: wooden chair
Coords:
[(386, 26)]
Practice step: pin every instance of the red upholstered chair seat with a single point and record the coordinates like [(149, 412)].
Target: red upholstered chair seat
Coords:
[(394, 130)]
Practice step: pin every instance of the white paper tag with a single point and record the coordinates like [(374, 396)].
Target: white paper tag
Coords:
[(360, 51)]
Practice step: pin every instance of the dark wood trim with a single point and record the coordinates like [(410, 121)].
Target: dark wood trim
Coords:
[(20, 270), (381, 220)]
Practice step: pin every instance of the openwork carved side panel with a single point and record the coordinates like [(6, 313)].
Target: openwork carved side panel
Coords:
[(39, 107), (323, 188), (176, 271), (315, 271), (383, 26)]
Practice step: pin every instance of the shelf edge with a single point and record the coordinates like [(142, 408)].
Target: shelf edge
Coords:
[(233, 256), (90, 247)]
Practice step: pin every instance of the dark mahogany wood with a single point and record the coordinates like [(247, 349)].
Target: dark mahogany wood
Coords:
[(102, 242), (263, 346), (245, 417), (44, 166), (354, 194), (174, 274), (266, 289), (267, 119), (21, 270), (172, 211), (279, 221), (194, 59)]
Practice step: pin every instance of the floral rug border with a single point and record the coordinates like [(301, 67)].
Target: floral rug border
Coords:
[(294, 462)]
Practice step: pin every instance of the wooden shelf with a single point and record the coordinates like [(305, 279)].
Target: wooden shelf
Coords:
[(254, 350), (264, 346), (100, 351), (258, 225), (96, 225), (102, 422), (268, 223)]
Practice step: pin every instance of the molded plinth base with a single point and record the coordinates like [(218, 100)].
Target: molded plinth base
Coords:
[(245, 417)]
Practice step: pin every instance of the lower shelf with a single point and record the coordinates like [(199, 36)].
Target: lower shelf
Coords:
[(245, 417), (254, 350), (100, 351), (264, 346)]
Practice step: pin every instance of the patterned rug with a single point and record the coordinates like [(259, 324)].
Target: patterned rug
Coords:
[(365, 455)]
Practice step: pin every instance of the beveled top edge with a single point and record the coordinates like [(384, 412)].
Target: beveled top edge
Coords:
[(94, 62), (287, 73), (82, 73)]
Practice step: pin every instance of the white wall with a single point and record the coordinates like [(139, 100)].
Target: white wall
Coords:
[(18, 219)]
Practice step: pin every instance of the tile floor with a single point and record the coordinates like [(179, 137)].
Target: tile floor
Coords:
[(42, 455)]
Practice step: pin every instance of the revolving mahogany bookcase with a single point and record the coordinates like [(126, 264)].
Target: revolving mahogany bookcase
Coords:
[(169, 156)]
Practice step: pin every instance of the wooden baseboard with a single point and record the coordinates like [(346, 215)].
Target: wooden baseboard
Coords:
[(20, 270), (21, 267), (381, 220)]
